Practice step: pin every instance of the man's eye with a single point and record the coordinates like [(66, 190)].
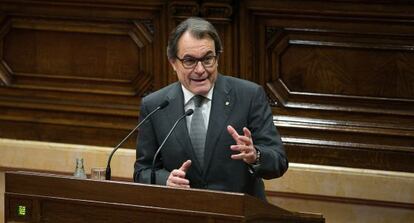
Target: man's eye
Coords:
[(208, 59), (189, 61)]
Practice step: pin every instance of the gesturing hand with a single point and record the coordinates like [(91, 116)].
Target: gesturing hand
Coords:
[(244, 145), (177, 176)]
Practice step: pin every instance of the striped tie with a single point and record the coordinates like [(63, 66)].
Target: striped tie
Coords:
[(198, 130)]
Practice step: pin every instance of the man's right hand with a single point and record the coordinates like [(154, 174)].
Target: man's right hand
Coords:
[(177, 176)]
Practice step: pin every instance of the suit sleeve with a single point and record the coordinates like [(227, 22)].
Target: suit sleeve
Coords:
[(273, 161), (147, 145)]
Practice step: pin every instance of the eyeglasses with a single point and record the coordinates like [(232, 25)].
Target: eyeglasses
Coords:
[(191, 62)]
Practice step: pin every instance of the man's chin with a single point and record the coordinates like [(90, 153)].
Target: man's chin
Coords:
[(201, 90)]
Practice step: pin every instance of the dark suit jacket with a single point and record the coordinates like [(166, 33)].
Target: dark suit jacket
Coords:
[(235, 102)]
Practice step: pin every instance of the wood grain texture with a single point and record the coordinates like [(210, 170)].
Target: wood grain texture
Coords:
[(340, 77), (339, 74), (57, 198)]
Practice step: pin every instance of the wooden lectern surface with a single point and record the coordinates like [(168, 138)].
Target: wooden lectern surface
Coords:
[(39, 197)]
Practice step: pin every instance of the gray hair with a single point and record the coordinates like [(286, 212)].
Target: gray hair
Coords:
[(199, 28)]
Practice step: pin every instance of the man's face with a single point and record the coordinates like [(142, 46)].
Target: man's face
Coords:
[(198, 79)]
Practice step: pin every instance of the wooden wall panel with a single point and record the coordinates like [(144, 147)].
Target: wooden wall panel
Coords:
[(339, 74), (75, 68), (341, 78)]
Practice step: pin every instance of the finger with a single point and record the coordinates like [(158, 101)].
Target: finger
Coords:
[(169, 180), (236, 148), (185, 166), (247, 132), (178, 173), (233, 133), (247, 138), (242, 148), (239, 156), (244, 140), (175, 180), (171, 184), (180, 181), (248, 158)]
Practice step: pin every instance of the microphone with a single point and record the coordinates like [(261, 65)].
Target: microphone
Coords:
[(187, 113), (108, 166)]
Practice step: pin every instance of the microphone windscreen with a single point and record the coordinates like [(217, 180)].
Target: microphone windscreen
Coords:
[(164, 104)]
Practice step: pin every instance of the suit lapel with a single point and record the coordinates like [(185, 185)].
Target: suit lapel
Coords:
[(222, 104), (176, 110)]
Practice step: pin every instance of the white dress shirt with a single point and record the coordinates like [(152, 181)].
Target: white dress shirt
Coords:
[(205, 107)]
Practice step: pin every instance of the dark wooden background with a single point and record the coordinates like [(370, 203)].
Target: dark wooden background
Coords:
[(339, 73)]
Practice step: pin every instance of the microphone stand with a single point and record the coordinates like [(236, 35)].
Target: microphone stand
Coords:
[(153, 176), (108, 166)]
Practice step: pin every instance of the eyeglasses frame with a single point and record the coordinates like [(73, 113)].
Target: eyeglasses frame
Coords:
[(199, 60)]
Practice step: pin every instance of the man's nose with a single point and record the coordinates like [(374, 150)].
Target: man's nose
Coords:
[(199, 67)]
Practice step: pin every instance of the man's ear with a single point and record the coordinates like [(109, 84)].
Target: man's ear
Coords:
[(172, 62)]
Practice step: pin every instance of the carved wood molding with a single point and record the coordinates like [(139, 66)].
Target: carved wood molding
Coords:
[(349, 156), (210, 10), (309, 71), (5, 74), (392, 9), (141, 33), (344, 98), (216, 10), (186, 9), (98, 10), (76, 70), (340, 200), (78, 82), (340, 77)]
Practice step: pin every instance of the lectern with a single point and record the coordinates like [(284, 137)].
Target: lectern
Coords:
[(40, 197)]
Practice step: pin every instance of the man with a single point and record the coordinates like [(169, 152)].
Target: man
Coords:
[(231, 145)]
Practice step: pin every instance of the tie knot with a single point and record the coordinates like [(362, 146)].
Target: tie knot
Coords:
[(198, 100)]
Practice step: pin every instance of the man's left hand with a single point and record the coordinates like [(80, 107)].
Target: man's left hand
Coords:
[(244, 145)]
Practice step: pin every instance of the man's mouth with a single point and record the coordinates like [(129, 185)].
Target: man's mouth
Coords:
[(199, 80)]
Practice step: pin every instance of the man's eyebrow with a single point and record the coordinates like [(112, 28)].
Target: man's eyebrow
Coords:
[(186, 56)]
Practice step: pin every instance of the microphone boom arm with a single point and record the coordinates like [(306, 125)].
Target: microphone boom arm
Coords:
[(108, 166)]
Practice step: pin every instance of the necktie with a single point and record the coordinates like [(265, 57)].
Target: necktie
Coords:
[(198, 130)]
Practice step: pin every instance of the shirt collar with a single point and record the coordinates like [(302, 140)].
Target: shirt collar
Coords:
[(188, 95)]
